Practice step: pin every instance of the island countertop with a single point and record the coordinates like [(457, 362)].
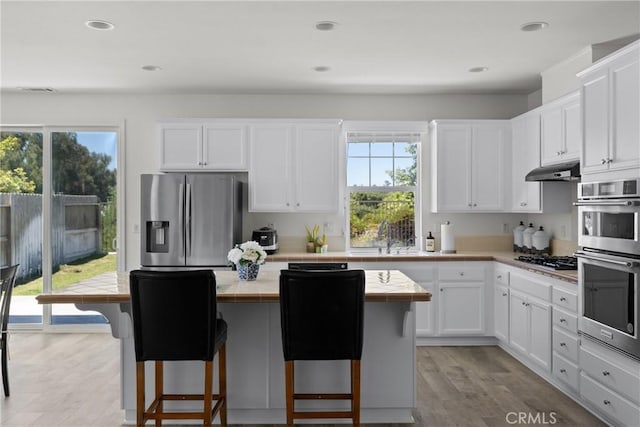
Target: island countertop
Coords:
[(381, 286)]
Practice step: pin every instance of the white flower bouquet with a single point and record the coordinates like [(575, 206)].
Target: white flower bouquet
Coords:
[(247, 253)]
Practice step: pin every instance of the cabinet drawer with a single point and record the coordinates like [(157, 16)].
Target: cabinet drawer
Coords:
[(608, 402), (461, 274), (565, 371), (565, 320), (532, 287), (565, 344), (565, 299), (619, 380), (501, 277)]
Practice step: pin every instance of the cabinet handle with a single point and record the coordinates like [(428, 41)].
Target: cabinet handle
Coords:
[(558, 153), (563, 344), (606, 373), (499, 276), (298, 204), (563, 371), (527, 304), (504, 294), (204, 163), (462, 273), (441, 290), (563, 320), (475, 204), (469, 205), (609, 160), (524, 303), (288, 204), (606, 402), (563, 299), (603, 161)]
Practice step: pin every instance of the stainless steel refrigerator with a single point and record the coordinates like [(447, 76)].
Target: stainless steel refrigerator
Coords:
[(189, 220)]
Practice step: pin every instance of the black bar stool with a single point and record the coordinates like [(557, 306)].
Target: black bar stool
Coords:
[(322, 316), (7, 282), (174, 318)]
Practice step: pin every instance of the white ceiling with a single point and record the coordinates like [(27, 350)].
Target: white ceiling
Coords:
[(394, 47)]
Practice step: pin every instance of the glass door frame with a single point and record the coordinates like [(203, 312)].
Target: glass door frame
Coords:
[(47, 193)]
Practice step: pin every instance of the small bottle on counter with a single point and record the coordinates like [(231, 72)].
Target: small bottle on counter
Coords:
[(430, 243)]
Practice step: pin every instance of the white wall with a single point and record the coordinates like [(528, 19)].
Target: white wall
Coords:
[(139, 114)]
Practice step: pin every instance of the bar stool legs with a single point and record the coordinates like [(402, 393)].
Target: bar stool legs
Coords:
[(155, 411), (292, 396)]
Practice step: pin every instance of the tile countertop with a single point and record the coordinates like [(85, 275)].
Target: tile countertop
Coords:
[(381, 286), (502, 257)]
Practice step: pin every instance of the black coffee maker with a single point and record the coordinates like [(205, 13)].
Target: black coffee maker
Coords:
[(267, 237)]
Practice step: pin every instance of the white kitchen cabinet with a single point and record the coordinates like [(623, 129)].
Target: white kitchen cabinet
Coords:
[(610, 383), (469, 165), (293, 167), (203, 146), (461, 300), (501, 305), (560, 130), (610, 111), (530, 319), (533, 197)]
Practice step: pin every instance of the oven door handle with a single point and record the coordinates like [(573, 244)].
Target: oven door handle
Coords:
[(623, 203), (581, 254)]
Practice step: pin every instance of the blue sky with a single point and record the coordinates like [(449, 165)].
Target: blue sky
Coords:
[(101, 142)]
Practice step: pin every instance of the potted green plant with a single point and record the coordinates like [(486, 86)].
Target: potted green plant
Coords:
[(312, 237)]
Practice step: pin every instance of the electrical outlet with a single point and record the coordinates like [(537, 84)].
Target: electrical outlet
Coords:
[(327, 228)]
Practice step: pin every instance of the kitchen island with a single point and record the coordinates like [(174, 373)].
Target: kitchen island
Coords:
[(255, 365)]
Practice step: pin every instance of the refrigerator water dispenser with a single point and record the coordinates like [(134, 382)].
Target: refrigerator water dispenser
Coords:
[(157, 236)]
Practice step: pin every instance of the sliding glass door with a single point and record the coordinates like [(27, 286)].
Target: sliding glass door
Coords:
[(75, 205)]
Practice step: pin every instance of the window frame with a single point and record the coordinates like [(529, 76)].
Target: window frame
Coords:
[(47, 148), (384, 127)]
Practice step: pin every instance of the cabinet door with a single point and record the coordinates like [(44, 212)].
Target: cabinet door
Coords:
[(487, 168), (270, 177), (316, 154), (625, 114), (224, 147), (180, 146), (425, 315), (551, 136), (518, 322), (501, 312), (571, 130), (540, 333), (453, 168), (525, 146), (595, 122), (461, 309)]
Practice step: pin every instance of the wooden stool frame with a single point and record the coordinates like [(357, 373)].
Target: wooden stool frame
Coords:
[(155, 410)]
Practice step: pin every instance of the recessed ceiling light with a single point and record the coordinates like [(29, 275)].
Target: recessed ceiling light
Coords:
[(96, 24), (321, 68), (534, 26), (478, 69), (151, 68), (325, 25)]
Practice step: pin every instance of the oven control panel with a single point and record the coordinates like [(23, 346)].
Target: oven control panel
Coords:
[(627, 188)]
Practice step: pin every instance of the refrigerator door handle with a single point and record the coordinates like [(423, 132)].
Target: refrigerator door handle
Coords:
[(187, 209), (181, 216)]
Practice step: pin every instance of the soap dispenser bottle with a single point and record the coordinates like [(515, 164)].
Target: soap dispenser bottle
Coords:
[(430, 243)]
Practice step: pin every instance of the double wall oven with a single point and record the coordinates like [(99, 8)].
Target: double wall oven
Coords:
[(609, 262)]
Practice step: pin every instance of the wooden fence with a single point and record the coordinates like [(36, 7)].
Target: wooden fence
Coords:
[(75, 231)]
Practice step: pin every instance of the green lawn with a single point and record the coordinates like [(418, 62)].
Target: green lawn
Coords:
[(72, 273)]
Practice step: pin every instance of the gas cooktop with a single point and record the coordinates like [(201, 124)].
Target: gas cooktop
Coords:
[(554, 262)]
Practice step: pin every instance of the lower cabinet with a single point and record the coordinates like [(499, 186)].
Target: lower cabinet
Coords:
[(530, 319), (461, 308), (610, 383)]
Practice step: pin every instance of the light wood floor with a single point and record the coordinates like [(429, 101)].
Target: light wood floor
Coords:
[(71, 380)]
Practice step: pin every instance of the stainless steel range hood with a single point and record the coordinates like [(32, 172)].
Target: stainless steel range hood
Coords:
[(569, 171)]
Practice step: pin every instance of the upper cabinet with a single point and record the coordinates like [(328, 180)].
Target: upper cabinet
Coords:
[(294, 167), (533, 197), (203, 146), (469, 165), (611, 107), (525, 146), (560, 130)]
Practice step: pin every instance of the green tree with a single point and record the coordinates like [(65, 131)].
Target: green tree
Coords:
[(13, 178)]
